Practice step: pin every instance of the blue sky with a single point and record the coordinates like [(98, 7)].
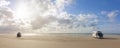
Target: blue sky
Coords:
[(96, 6), (93, 6), (59, 16)]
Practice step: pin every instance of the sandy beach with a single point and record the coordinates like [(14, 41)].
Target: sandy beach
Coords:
[(59, 42)]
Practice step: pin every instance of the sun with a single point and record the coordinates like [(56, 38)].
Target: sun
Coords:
[(22, 15), (22, 12)]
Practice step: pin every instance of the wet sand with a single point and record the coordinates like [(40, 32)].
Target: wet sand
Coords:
[(59, 42)]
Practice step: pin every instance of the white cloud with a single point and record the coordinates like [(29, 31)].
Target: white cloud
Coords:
[(110, 28), (7, 24), (41, 13), (111, 15), (103, 12), (48, 13), (4, 3), (44, 16), (40, 22)]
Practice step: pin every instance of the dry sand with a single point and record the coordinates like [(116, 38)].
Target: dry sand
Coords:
[(59, 42)]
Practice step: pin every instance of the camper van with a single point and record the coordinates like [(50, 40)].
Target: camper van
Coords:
[(97, 34)]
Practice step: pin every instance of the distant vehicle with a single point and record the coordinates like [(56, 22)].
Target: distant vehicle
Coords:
[(18, 34), (97, 34)]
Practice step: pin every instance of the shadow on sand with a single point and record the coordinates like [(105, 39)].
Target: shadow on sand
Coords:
[(111, 38)]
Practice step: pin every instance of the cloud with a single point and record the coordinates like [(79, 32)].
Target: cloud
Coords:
[(88, 19), (4, 3), (50, 16), (110, 28), (6, 12), (8, 28), (111, 15), (44, 16), (41, 22), (46, 11), (7, 23)]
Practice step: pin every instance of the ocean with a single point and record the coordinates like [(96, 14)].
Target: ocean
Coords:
[(61, 34), (72, 34)]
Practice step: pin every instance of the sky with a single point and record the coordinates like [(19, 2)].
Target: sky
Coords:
[(59, 16)]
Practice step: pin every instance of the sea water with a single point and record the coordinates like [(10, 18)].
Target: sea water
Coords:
[(62, 34), (73, 34)]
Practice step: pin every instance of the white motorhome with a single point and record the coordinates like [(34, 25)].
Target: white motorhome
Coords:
[(94, 34), (97, 34)]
